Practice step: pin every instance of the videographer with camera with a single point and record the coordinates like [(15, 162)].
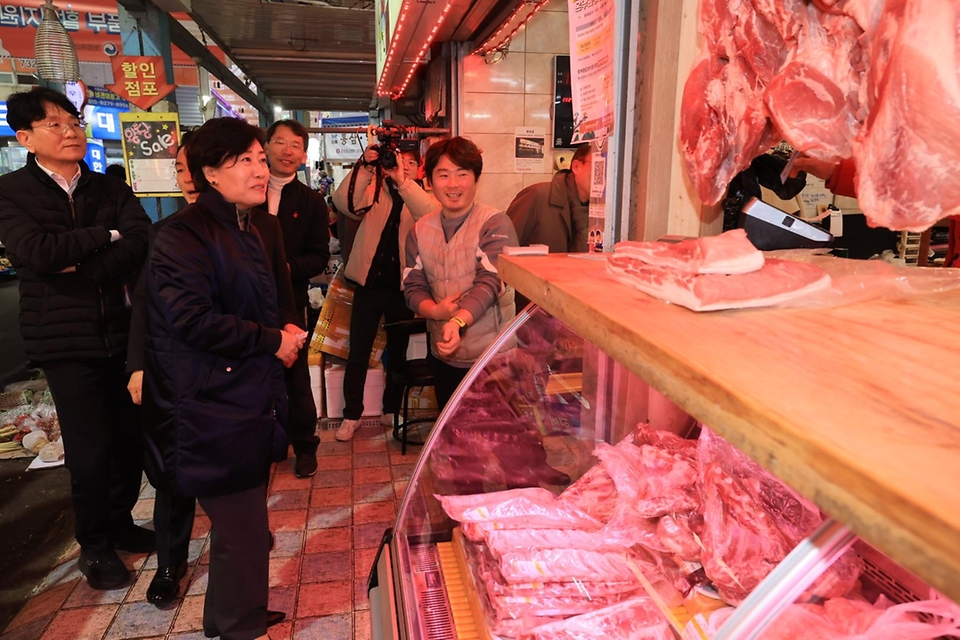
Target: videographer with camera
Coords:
[(382, 192)]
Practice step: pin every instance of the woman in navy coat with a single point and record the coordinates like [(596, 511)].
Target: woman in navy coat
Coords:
[(214, 395)]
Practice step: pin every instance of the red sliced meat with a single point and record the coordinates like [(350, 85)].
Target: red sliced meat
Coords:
[(777, 282), (507, 540), (594, 494), (729, 252)]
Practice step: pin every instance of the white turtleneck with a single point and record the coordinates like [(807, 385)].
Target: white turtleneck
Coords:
[(274, 187)]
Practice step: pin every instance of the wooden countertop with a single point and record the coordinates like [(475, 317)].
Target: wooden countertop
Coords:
[(855, 407)]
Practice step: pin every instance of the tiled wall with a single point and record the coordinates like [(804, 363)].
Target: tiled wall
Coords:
[(515, 92)]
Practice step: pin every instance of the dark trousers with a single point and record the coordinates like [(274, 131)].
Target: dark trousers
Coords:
[(237, 588), (302, 410), (368, 306), (173, 522), (446, 377), (102, 444)]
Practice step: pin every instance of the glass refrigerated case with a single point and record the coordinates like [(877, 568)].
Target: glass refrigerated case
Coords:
[(560, 496)]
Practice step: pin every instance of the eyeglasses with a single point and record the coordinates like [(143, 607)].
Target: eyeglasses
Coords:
[(61, 128), (294, 146)]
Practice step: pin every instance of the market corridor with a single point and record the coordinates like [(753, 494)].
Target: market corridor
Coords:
[(327, 529)]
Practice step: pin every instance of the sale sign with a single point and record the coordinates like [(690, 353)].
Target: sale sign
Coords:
[(140, 80), (150, 142)]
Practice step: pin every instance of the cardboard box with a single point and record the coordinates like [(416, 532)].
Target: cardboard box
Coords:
[(332, 333), (372, 390)]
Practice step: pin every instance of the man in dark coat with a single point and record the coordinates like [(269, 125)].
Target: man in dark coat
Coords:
[(306, 239), (78, 240), (555, 213)]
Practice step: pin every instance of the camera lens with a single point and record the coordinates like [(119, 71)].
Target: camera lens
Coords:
[(388, 160)]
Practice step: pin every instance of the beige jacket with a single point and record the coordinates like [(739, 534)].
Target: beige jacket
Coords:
[(417, 203)]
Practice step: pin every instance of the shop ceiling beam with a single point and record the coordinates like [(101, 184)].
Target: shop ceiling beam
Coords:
[(196, 50)]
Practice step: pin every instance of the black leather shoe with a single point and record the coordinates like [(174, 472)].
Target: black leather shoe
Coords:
[(306, 465), (103, 569), (165, 585), (135, 540), (273, 617)]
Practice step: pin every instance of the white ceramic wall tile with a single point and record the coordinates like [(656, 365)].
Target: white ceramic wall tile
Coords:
[(556, 5), (537, 112), (505, 76), (519, 42), (499, 189), (539, 73), (492, 113), (497, 149), (547, 32)]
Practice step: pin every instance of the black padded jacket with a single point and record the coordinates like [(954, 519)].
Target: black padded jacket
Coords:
[(81, 313)]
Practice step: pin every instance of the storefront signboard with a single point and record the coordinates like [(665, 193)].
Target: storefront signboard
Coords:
[(562, 103), (591, 61), (150, 142), (140, 80), (96, 157), (5, 129), (102, 113), (347, 146)]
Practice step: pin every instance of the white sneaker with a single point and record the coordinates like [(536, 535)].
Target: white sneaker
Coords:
[(386, 419), (345, 430)]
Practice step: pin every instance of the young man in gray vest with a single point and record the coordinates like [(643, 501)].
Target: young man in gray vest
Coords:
[(451, 275)]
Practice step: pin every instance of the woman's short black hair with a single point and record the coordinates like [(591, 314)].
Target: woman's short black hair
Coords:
[(462, 152), (27, 107), (216, 142)]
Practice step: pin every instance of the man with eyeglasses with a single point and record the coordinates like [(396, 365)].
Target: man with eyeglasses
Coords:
[(306, 238), (78, 240)]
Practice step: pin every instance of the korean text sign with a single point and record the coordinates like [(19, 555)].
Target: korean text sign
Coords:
[(140, 80)]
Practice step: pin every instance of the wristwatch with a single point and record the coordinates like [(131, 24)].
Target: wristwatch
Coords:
[(460, 323)]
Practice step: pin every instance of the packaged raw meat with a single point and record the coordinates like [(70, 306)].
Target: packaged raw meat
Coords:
[(842, 618), (518, 509), (634, 619), (752, 521), (559, 565), (594, 493), (651, 481)]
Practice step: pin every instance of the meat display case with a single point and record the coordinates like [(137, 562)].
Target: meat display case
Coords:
[(850, 407)]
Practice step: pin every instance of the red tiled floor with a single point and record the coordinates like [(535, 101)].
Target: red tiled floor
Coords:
[(374, 512), (141, 619), (293, 520), (190, 615), (371, 475), (326, 567), (335, 478), (328, 540), (201, 527), (286, 500), (42, 605), (368, 535), (363, 562), (371, 459), (331, 463), (284, 572), (360, 599), (83, 623), (361, 625), (287, 482), (330, 496), (372, 492), (330, 517), (334, 449), (324, 598), (369, 446)]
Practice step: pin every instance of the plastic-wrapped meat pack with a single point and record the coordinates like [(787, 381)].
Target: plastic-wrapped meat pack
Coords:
[(654, 508), (634, 619), (752, 521)]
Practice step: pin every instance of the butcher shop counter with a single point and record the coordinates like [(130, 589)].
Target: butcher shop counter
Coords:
[(855, 407)]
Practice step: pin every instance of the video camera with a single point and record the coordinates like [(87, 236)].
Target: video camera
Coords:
[(390, 141)]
